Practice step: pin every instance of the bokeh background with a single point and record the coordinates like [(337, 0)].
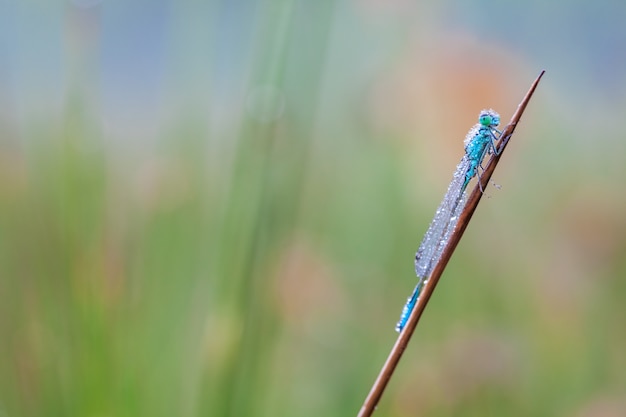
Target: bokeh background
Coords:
[(211, 208)]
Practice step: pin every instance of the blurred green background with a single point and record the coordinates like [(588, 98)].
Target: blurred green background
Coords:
[(211, 208)]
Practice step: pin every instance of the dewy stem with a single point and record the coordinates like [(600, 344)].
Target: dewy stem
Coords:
[(399, 347)]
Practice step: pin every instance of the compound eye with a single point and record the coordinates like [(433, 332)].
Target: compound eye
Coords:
[(485, 119)]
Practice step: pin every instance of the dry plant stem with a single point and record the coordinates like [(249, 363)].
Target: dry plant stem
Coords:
[(403, 339)]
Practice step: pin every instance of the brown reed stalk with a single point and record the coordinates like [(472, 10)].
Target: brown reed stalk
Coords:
[(389, 367)]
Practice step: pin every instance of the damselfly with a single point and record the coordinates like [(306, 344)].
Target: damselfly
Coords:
[(480, 141)]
